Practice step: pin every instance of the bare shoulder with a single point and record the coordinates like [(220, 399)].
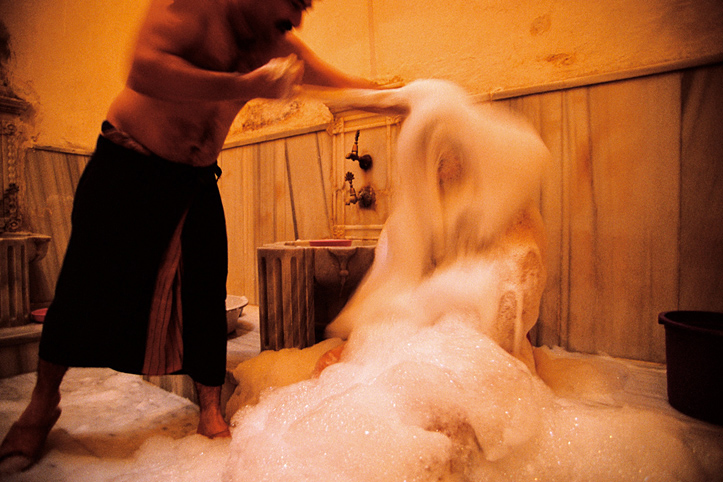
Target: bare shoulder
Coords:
[(195, 30), (172, 23)]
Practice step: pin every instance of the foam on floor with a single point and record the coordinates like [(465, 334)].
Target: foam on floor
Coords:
[(444, 402)]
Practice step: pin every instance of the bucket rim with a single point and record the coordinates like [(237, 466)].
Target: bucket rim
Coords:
[(664, 319)]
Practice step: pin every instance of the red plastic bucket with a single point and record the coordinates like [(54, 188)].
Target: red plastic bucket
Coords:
[(694, 356)]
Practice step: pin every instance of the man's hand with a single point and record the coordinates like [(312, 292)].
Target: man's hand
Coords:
[(281, 77)]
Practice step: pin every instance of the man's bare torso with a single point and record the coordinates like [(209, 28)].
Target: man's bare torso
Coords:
[(191, 133), (170, 116)]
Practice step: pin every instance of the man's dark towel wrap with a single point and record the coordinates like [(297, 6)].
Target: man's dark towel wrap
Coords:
[(126, 208)]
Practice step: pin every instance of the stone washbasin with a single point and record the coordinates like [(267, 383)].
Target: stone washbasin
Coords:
[(304, 284)]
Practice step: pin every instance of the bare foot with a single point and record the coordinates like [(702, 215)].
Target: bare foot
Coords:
[(213, 427), (24, 442), (211, 422)]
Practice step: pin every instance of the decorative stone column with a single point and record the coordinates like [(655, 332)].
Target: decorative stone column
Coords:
[(19, 338), (17, 251)]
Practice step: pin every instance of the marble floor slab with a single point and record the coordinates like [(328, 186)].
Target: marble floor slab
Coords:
[(111, 421)]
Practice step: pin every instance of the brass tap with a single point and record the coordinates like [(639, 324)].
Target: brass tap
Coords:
[(366, 196), (365, 161)]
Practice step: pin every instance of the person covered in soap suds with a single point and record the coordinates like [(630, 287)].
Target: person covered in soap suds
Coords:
[(143, 284)]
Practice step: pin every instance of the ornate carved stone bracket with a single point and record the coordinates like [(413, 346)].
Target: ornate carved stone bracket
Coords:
[(12, 105), (10, 109), (10, 219)]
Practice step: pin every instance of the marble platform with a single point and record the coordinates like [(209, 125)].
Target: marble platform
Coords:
[(109, 418)]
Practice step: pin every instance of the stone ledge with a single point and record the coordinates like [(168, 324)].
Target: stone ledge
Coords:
[(19, 349), (12, 105), (18, 335)]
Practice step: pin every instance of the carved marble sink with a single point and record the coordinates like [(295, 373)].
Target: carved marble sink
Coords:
[(18, 338), (304, 284), (17, 251)]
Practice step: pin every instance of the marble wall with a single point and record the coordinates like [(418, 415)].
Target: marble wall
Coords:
[(632, 204), (632, 208), (70, 58), (52, 176)]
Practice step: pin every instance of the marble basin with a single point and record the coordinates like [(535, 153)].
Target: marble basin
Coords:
[(234, 309), (304, 284)]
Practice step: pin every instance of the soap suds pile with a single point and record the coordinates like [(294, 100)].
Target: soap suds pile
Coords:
[(444, 402)]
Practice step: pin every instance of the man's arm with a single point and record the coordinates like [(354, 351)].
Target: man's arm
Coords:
[(318, 72), (165, 66), (165, 76)]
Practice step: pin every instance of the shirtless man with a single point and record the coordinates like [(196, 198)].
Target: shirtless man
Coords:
[(148, 200), (198, 62)]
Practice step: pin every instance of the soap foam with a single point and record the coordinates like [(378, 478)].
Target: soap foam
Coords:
[(444, 402)]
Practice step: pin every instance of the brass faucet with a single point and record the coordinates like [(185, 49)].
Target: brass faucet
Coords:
[(366, 196), (365, 161)]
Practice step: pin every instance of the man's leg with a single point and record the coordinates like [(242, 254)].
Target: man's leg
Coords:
[(205, 266), (24, 441), (211, 422)]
